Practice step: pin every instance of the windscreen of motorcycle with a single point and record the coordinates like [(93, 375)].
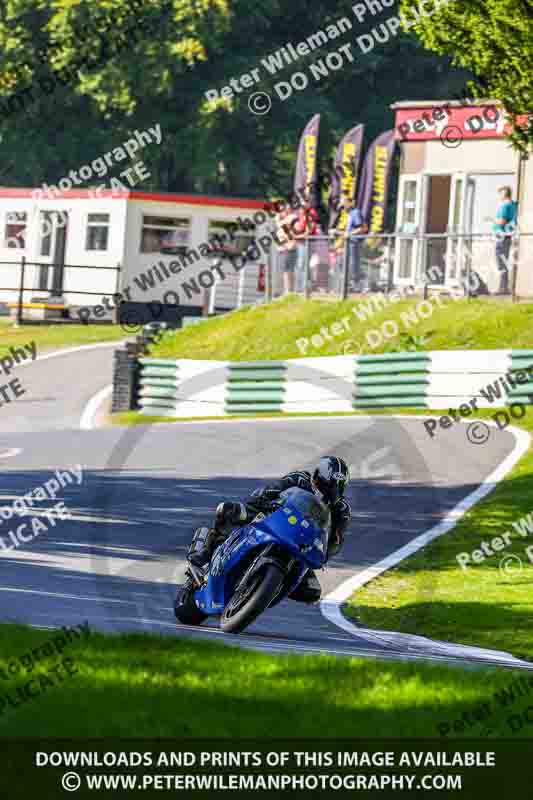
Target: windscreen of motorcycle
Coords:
[(310, 509)]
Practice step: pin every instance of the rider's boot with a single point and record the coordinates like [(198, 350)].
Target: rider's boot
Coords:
[(202, 547), (184, 590), (309, 590), (205, 540)]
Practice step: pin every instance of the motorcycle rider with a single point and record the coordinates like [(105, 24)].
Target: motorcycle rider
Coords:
[(328, 482)]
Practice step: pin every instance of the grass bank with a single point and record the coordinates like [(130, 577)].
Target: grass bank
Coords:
[(152, 686), (490, 603), (54, 337), (271, 332)]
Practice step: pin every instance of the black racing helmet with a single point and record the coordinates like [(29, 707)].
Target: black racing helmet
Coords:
[(330, 478)]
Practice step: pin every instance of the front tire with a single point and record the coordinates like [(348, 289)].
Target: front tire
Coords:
[(250, 601)]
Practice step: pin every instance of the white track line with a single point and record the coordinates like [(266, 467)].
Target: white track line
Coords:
[(87, 421), (10, 452), (330, 606), (68, 350)]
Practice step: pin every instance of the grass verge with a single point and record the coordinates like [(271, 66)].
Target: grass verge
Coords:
[(135, 418), (153, 686), (490, 603), (54, 337)]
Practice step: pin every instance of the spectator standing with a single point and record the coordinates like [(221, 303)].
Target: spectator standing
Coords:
[(306, 225), (337, 253), (281, 240), (319, 261), (355, 226), (503, 226), (287, 246)]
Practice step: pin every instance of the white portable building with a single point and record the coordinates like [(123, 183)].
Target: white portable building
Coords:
[(80, 246)]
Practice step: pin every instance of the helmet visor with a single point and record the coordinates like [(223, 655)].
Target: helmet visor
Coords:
[(333, 488)]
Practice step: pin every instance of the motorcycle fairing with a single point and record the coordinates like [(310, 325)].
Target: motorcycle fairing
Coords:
[(303, 539)]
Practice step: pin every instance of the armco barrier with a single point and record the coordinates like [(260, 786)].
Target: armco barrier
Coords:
[(158, 382), (437, 379), (255, 386), (392, 379), (520, 360)]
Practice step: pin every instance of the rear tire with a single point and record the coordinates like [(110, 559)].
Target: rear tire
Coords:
[(236, 617), (185, 609)]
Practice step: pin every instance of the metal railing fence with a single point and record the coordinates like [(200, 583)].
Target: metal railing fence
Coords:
[(53, 282), (339, 266)]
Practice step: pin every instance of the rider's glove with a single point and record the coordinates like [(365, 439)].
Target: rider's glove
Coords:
[(263, 499)]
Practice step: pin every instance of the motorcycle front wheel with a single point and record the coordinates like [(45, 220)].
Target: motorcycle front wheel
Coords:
[(185, 609), (251, 599)]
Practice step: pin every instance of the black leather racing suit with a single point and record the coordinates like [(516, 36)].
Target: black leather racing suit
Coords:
[(229, 514)]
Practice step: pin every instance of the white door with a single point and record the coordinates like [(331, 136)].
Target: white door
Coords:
[(457, 246), (408, 227), (50, 250)]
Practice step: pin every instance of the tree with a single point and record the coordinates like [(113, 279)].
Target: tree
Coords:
[(494, 40), (122, 65), (77, 79)]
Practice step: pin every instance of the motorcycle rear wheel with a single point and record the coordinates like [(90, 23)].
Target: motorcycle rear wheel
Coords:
[(251, 600)]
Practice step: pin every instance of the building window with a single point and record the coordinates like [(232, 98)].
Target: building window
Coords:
[(230, 238), (170, 235), (97, 232), (15, 230)]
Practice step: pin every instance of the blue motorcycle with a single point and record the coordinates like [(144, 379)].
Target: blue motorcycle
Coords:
[(258, 565)]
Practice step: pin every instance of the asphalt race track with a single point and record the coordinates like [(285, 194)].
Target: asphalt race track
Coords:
[(116, 562)]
